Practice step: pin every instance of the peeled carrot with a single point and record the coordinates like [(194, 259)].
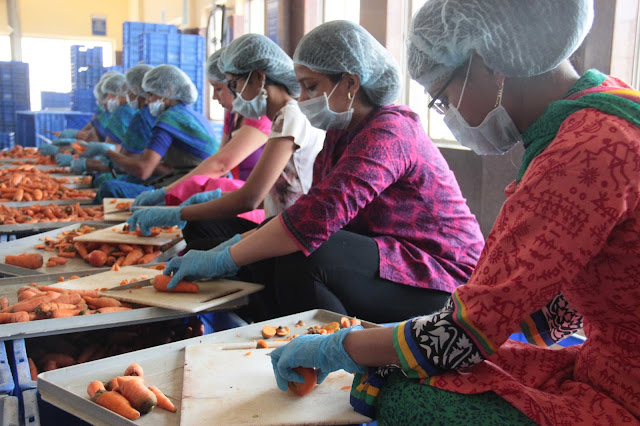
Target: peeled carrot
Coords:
[(161, 281), (140, 397), (114, 384), (64, 313), (149, 257), (7, 318), (102, 302), (125, 248), (81, 249), (45, 308), (132, 257), (4, 302), (33, 370), (25, 260), (94, 387), (134, 370), (31, 304), (71, 298), (111, 309), (117, 403), (163, 401), (58, 260)]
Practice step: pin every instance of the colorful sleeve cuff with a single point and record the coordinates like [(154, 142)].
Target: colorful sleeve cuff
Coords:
[(297, 238), (411, 357)]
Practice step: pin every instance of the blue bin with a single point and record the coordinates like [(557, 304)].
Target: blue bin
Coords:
[(31, 124), (9, 411), (82, 56), (55, 100), (20, 366), (6, 378), (7, 140)]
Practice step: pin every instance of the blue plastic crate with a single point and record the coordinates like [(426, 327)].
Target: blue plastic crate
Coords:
[(7, 140), (31, 124), (14, 72), (82, 56), (6, 378), (116, 68), (20, 366), (55, 100), (131, 30), (83, 100), (31, 410), (9, 411), (174, 49)]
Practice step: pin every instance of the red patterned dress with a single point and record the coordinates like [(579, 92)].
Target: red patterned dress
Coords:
[(565, 247)]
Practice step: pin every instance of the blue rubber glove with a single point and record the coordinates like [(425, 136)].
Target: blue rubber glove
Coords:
[(202, 197), (95, 149), (323, 352), (64, 160), (195, 264), (68, 134), (148, 218), (150, 198), (63, 141), (79, 166), (48, 149)]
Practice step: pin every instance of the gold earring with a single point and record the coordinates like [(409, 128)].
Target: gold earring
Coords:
[(349, 95), (499, 98)]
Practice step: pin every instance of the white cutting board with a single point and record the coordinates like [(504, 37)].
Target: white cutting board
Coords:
[(107, 279), (212, 293), (110, 206), (111, 234), (228, 387)]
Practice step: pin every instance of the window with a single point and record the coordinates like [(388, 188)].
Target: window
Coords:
[(50, 64), (348, 10), (5, 48), (254, 14), (417, 100)]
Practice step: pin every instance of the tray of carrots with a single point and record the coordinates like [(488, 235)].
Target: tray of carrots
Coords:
[(27, 183), (43, 213)]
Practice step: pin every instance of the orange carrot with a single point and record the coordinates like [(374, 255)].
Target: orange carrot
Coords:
[(132, 257), (67, 254), (163, 401), (50, 264), (58, 260), (81, 249), (94, 387), (134, 370), (120, 261), (90, 293), (149, 257), (161, 281), (111, 309), (113, 384), (125, 248), (65, 313), (117, 403), (102, 302), (71, 298), (115, 267), (45, 308), (6, 318), (25, 260), (140, 397), (33, 369), (31, 304), (4, 302)]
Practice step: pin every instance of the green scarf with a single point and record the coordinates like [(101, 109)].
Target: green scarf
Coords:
[(544, 130)]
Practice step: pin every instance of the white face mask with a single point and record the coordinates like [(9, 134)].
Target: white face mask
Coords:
[(113, 105), (254, 108), (320, 115), (133, 103), (496, 134), (156, 107)]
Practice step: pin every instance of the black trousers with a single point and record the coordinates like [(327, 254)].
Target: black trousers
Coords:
[(205, 235)]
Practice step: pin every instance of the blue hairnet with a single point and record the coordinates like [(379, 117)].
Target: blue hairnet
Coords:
[(213, 67), (170, 82), (257, 52), (115, 85), (518, 38), (344, 47), (98, 93), (134, 77)]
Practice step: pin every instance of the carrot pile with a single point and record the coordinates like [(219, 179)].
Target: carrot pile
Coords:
[(49, 213), (124, 205), (19, 151), (128, 395), (27, 183), (99, 254)]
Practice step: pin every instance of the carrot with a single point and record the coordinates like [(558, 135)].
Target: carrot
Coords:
[(115, 267), (87, 353), (71, 298), (50, 264), (45, 308), (65, 313), (114, 384), (119, 261), (132, 257), (94, 387), (117, 403), (7, 318), (149, 257), (125, 248), (19, 195), (90, 293), (81, 249), (134, 370), (61, 360), (310, 377), (31, 304), (268, 331), (161, 281), (261, 344), (111, 309), (67, 254), (58, 260), (163, 401), (140, 397), (33, 370), (26, 260), (4, 302), (102, 302)]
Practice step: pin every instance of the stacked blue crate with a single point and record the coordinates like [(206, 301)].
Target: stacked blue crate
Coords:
[(7, 140), (31, 124), (130, 33), (115, 68), (86, 69), (14, 93), (185, 51), (55, 100)]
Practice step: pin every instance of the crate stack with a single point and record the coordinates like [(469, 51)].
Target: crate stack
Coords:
[(14, 97), (31, 124), (130, 36), (55, 100), (86, 69), (185, 51)]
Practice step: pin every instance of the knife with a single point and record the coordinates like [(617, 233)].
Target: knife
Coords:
[(137, 284)]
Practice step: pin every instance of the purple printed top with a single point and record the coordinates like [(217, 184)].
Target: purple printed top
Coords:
[(385, 179)]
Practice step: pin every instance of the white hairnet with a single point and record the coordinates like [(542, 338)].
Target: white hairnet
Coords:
[(344, 47), (518, 38), (170, 82), (98, 93), (257, 52), (115, 85), (134, 77), (213, 69)]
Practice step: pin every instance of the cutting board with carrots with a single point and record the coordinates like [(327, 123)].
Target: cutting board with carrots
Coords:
[(244, 391), (115, 234), (116, 204), (108, 279)]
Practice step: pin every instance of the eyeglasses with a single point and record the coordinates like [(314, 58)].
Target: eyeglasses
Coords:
[(436, 103), (233, 84)]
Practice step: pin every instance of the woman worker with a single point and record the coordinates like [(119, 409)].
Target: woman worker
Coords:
[(262, 76), (384, 231), (180, 138), (242, 143), (563, 252)]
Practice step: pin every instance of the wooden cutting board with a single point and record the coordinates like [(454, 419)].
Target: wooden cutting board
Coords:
[(112, 234), (232, 387), (110, 204), (108, 279)]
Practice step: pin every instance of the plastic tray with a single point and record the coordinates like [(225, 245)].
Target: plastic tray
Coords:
[(9, 411), (20, 366), (6, 378), (66, 388)]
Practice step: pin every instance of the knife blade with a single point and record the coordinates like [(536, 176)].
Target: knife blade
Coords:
[(119, 211), (137, 284)]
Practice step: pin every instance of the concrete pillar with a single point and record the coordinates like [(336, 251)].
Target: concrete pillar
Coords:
[(16, 32)]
